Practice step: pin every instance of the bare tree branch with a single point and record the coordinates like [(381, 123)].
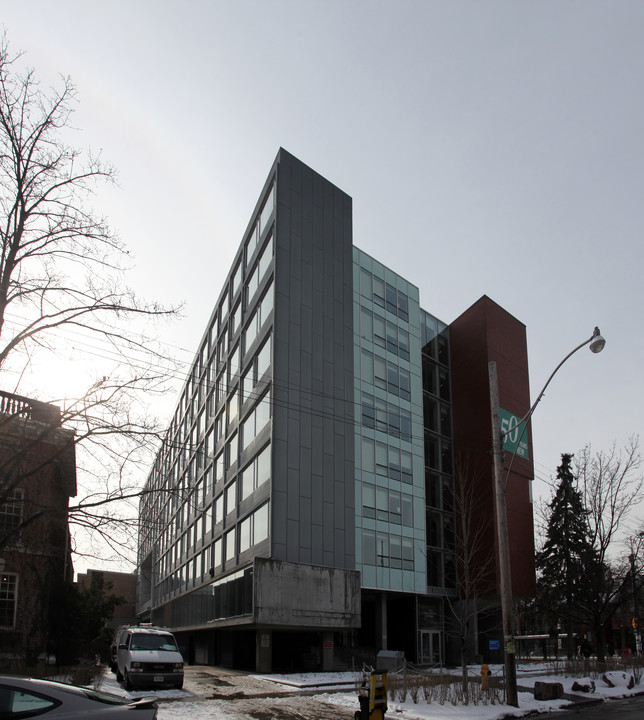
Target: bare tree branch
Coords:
[(63, 269)]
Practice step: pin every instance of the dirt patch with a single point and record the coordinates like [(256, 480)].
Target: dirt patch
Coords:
[(293, 709)]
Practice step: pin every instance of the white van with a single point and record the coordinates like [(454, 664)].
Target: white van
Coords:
[(148, 656)]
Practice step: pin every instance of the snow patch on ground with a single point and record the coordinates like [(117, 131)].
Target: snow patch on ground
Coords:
[(196, 701)]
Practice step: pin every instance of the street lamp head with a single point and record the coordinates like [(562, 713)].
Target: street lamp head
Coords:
[(597, 342)]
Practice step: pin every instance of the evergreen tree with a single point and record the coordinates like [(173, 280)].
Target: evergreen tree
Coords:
[(77, 620), (568, 563)]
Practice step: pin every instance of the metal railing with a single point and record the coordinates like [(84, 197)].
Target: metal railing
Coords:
[(20, 406)]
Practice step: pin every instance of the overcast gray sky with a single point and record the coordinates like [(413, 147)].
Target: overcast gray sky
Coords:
[(490, 148)]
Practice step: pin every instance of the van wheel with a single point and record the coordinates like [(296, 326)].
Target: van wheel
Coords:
[(179, 685), (127, 683), (119, 676)]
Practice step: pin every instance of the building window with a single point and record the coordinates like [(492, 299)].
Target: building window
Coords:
[(230, 545), (254, 528), (258, 318), (231, 451), (231, 497), (216, 554), (8, 593), (267, 210), (232, 409), (237, 278), (257, 473), (258, 368), (11, 510), (255, 279), (251, 244), (219, 509), (223, 308), (235, 320), (255, 422)]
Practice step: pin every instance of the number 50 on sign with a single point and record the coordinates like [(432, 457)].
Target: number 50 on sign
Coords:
[(512, 429)]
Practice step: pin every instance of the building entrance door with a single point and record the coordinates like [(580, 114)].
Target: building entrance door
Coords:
[(430, 647)]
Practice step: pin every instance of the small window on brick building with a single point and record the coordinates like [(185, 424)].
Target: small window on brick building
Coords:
[(11, 510), (8, 588)]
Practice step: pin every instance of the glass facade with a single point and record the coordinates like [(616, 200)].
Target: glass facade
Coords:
[(389, 484), (439, 479)]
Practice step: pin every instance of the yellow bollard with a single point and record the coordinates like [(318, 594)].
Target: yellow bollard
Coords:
[(485, 677)]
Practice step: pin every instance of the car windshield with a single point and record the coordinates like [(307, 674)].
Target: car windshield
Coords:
[(145, 641)]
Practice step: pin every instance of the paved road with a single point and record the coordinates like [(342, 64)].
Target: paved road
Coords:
[(628, 709)]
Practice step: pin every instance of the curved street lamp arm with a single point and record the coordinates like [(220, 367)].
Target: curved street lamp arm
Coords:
[(527, 416)]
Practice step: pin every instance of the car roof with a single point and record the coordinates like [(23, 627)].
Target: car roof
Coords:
[(50, 686), (60, 690)]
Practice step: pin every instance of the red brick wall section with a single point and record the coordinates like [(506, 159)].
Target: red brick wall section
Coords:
[(39, 555), (482, 333)]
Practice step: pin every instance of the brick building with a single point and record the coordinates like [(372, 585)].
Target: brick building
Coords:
[(120, 584), (37, 478)]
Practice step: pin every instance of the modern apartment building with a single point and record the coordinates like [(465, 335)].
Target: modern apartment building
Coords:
[(301, 507)]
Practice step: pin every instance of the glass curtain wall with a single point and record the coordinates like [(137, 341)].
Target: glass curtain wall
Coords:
[(390, 489)]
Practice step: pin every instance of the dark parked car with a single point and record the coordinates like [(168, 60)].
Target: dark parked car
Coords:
[(29, 697)]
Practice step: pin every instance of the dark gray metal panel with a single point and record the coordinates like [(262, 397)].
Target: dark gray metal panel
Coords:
[(280, 466), (305, 540), (313, 326)]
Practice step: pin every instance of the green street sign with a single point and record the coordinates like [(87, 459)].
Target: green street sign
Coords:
[(512, 429)]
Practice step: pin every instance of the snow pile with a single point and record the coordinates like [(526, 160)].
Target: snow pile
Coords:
[(203, 697)]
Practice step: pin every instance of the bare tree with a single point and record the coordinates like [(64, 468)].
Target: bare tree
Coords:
[(63, 269), (611, 484), (475, 564), (612, 488)]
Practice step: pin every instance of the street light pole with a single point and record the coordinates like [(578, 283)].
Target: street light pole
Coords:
[(596, 343), (503, 544), (636, 614)]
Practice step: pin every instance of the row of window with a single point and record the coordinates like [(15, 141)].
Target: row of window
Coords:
[(184, 472), (385, 550), (388, 505), (384, 295), (385, 375), (378, 414), (383, 333), (386, 460), (218, 344), (207, 516), (251, 531), (185, 456), (252, 281)]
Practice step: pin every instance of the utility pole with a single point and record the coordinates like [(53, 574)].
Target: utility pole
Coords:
[(596, 344), (636, 616), (503, 543)]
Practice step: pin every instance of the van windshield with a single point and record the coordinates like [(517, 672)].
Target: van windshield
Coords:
[(144, 641)]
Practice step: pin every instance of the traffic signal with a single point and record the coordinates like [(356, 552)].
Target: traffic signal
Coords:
[(635, 622)]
